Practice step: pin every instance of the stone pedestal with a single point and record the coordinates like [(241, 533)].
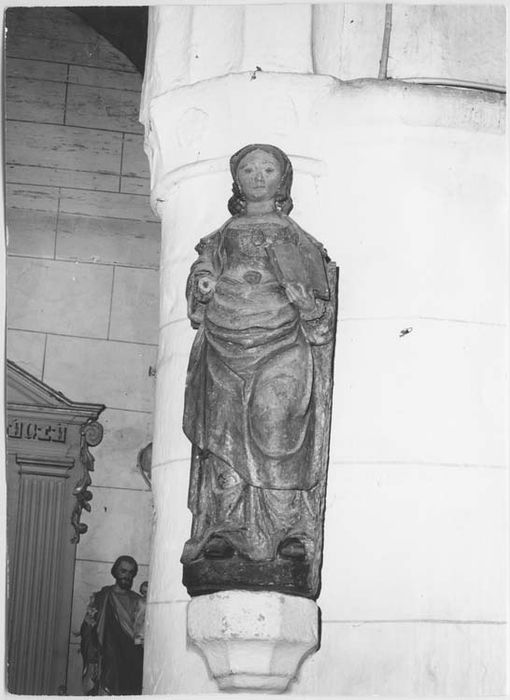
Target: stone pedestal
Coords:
[(253, 641)]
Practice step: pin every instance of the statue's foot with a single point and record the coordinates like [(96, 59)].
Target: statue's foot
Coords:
[(292, 548), (218, 548)]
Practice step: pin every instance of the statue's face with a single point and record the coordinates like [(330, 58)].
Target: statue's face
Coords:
[(124, 575), (259, 175)]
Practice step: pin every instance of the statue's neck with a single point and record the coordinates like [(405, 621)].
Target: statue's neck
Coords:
[(260, 208), (248, 220)]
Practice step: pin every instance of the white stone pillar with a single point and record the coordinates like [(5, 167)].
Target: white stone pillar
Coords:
[(191, 197), (405, 186)]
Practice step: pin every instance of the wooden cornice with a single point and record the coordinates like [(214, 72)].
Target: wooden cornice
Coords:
[(30, 396)]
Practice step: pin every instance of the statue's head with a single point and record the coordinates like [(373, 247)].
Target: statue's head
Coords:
[(278, 167), (124, 570)]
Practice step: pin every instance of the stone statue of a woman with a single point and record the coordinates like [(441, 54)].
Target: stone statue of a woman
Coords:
[(262, 295)]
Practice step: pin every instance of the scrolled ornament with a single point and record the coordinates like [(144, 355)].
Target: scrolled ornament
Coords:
[(91, 434)]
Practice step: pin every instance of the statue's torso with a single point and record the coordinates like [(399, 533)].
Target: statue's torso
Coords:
[(247, 294), (245, 250)]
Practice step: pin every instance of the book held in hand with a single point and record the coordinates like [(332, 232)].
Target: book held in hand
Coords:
[(293, 264)]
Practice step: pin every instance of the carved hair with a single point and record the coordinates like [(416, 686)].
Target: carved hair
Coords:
[(237, 203), (123, 557)]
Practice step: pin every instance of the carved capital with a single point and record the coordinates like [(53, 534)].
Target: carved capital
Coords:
[(251, 641)]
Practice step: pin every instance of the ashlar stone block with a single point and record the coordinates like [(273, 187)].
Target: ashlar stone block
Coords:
[(135, 305), (35, 100), (34, 196), (104, 107), (59, 146), (61, 177), (35, 70), (99, 239), (114, 205), (116, 373), (103, 77), (31, 233), (26, 349), (55, 297), (134, 160)]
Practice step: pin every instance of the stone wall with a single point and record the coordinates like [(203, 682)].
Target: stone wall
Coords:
[(83, 256)]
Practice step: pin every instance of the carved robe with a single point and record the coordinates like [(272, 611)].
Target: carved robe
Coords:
[(112, 662), (255, 393)]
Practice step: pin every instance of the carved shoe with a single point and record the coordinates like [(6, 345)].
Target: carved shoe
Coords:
[(218, 548), (292, 548)]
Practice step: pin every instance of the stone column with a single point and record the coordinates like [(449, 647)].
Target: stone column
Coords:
[(397, 181)]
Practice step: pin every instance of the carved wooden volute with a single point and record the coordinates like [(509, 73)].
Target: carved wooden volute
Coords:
[(48, 475)]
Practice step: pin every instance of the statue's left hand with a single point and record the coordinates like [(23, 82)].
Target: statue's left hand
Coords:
[(300, 296)]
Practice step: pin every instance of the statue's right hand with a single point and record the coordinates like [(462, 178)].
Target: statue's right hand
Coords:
[(205, 288), (90, 616)]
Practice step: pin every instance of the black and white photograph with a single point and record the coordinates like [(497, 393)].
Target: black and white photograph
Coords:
[(256, 349)]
